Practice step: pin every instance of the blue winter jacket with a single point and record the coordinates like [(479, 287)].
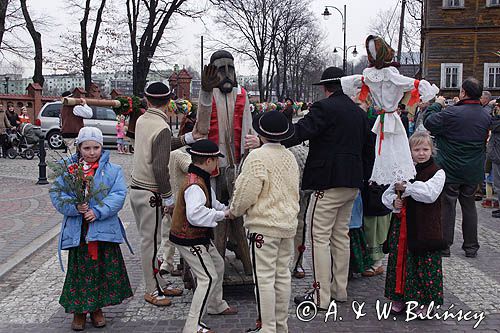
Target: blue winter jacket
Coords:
[(107, 227)]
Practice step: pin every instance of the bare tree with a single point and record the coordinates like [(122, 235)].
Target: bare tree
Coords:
[(147, 21), (89, 51), (386, 25), (37, 43), (249, 27)]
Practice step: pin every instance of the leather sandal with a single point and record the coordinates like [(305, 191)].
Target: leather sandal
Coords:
[(373, 272), (171, 291), (98, 319), (157, 300), (228, 312), (299, 273), (78, 323)]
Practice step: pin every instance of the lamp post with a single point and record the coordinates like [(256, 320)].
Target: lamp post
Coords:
[(326, 14), (7, 84), (354, 53)]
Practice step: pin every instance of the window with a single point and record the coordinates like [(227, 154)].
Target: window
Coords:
[(492, 75), (52, 110), (451, 76), (104, 114), (453, 3), (492, 3)]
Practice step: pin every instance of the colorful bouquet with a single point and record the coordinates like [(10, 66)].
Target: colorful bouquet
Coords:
[(73, 181)]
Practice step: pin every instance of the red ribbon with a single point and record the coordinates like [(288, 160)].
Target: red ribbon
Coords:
[(365, 91), (402, 253), (415, 95)]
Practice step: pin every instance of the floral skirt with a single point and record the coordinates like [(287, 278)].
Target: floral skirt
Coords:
[(93, 284), (360, 259), (424, 273)]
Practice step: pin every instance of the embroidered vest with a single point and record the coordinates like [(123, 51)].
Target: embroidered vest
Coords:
[(239, 108), (182, 232)]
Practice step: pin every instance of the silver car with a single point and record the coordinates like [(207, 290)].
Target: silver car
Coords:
[(48, 120)]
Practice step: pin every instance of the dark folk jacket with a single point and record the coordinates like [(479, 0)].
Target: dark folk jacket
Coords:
[(339, 144)]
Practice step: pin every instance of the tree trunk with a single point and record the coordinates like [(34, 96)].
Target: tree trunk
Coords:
[(37, 42), (88, 52), (3, 12)]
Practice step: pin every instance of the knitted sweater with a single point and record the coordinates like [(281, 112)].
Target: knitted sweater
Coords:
[(267, 191)]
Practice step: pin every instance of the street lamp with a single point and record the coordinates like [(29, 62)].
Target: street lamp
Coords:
[(7, 84), (326, 15), (354, 52)]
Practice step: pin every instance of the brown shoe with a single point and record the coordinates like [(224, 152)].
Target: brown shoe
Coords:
[(157, 300), (229, 311), (97, 318), (299, 273), (373, 272), (78, 323), (171, 291)]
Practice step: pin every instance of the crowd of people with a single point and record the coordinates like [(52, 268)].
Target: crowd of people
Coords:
[(373, 191)]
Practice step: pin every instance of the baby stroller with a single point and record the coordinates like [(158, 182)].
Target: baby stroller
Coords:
[(24, 141)]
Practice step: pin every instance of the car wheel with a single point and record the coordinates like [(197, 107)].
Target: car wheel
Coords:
[(12, 153), (55, 140), (29, 154)]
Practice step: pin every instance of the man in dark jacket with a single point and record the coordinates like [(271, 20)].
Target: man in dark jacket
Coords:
[(461, 132), (288, 111), (338, 134)]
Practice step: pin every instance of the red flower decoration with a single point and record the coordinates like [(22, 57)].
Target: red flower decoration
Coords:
[(316, 285), (72, 168), (301, 248)]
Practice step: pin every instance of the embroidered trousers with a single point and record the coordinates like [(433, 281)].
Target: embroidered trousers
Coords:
[(166, 244), (330, 214), (148, 220), (272, 278), (207, 266)]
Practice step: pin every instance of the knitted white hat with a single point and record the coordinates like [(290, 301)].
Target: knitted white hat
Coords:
[(89, 134)]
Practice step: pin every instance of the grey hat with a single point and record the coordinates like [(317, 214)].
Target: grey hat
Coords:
[(89, 134)]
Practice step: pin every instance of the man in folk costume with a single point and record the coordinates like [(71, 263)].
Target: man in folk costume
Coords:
[(393, 162), (224, 115), (71, 119), (150, 194), (338, 133)]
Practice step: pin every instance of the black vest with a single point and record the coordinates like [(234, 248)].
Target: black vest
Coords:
[(425, 231)]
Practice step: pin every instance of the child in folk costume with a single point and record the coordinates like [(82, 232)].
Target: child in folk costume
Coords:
[(414, 268), (267, 191), (196, 214), (23, 117), (382, 80), (97, 276)]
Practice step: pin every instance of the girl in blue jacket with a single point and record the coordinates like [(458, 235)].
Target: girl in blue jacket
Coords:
[(96, 276)]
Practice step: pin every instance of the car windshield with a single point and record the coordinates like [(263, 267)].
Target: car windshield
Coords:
[(52, 110)]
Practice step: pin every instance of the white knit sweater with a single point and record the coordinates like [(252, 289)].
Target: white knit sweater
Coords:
[(267, 191)]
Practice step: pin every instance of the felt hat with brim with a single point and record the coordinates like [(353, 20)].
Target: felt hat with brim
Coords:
[(157, 90), (330, 75), (273, 125), (204, 148)]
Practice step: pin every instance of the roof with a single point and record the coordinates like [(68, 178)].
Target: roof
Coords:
[(184, 74), (409, 70)]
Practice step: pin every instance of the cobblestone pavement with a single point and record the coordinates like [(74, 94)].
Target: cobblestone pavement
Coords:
[(29, 293)]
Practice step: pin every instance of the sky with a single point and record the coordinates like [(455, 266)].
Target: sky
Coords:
[(188, 31)]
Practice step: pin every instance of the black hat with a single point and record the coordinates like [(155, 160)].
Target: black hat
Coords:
[(204, 148), (273, 125), (157, 90), (330, 75), (66, 94)]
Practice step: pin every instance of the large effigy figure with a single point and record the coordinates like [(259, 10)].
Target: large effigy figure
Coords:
[(382, 80), (224, 115)]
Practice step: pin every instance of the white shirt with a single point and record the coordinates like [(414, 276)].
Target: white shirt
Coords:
[(83, 111), (197, 213), (425, 192)]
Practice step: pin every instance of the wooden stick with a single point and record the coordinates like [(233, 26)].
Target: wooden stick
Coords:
[(92, 101)]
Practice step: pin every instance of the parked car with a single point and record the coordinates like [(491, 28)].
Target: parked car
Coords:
[(48, 120)]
